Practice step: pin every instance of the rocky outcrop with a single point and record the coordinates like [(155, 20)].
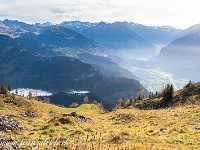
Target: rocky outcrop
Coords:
[(74, 115), (8, 124), (28, 114)]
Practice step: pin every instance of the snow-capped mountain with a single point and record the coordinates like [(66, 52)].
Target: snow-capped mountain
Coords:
[(45, 24), (78, 26), (152, 34)]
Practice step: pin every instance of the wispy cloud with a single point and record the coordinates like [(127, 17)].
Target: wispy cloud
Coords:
[(176, 13)]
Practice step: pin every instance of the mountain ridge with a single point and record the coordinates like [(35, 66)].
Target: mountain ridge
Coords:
[(24, 68), (184, 56)]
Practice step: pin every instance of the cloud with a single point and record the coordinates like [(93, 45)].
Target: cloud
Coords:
[(177, 13)]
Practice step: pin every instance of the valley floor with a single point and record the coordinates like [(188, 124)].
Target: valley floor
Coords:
[(154, 79), (172, 128)]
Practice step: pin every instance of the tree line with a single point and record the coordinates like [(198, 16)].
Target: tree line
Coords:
[(166, 96), (5, 90)]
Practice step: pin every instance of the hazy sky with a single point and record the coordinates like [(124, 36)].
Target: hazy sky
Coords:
[(177, 13)]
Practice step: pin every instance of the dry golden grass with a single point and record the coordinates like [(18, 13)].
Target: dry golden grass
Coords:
[(176, 128)]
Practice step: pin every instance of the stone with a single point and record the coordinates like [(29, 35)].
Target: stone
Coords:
[(8, 124)]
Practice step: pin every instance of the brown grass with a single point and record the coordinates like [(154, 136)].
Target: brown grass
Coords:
[(172, 128)]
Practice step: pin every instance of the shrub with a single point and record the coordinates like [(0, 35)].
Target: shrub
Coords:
[(57, 120), (31, 110), (65, 120), (34, 109)]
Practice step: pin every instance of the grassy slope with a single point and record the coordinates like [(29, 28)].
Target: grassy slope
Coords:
[(175, 128)]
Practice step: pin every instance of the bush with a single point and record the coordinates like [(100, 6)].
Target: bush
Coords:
[(33, 109), (66, 120), (57, 120)]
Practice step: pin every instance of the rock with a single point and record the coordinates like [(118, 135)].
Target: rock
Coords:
[(122, 118), (28, 114), (74, 115), (8, 124)]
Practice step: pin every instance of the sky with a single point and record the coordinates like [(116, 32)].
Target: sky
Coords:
[(177, 13)]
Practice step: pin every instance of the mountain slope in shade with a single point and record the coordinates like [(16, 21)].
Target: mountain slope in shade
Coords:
[(110, 68), (60, 39), (48, 40), (21, 67), (182, 57)]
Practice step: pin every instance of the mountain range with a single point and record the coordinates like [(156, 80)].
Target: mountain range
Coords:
[(148, 35), (78, 55), (182, 57), (129, 39), (47, 58)]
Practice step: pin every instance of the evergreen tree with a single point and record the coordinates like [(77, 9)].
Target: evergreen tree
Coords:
[(168, 94), (156, 95), (140, 98), (3, 90), (9, 88), (171, 93), (150, 95), (123, 103), (131, 101), (188, 85)]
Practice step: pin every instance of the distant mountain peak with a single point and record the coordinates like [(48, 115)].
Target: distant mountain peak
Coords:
[(45, 24)]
